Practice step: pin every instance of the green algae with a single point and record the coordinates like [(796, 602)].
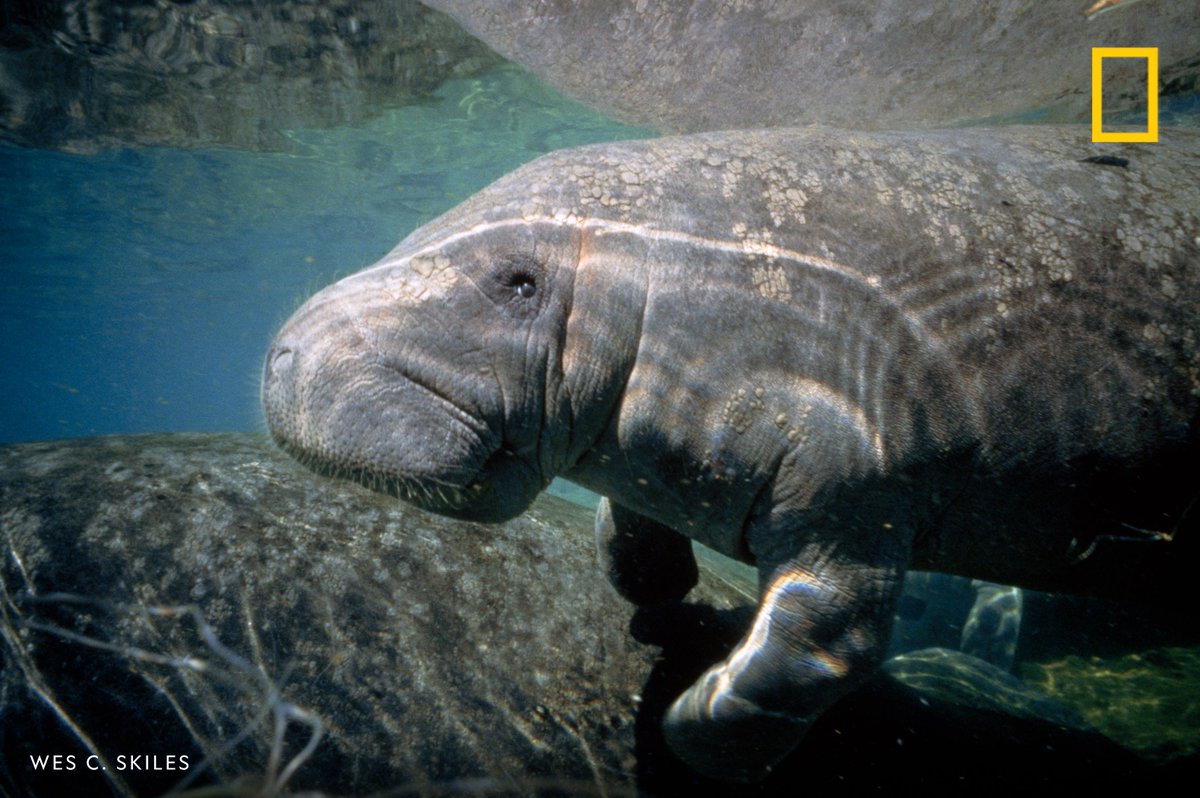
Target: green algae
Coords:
[(1148, 702)]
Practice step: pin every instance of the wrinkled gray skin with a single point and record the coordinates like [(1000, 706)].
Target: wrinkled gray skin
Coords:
[(720, 64), (830, 354)]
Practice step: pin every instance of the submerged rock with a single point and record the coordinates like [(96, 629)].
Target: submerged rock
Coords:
[(1148, 701), (187, 595), (78, 75), (972, 726), (204, 604)]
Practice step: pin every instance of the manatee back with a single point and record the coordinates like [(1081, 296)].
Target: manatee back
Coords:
[(1014, 287)]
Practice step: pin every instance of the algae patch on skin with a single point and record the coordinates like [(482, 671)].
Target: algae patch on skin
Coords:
[(1147, 702)]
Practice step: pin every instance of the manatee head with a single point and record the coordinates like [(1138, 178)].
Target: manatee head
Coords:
[(426, 376), (457, 373)]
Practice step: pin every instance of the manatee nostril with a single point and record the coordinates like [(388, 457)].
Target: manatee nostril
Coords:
[(280, 360), (278, 387)]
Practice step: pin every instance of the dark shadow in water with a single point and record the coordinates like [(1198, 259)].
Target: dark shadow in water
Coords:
[(692, 637), (1056, 626), (887, 734)]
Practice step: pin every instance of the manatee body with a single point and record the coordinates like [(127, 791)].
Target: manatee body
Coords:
[(833, 355), (717, 64)]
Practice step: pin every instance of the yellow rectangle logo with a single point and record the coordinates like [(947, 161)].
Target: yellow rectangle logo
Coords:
[(1151, 56)]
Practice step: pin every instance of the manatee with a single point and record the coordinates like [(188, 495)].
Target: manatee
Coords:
[(834, 355), (717, 64), (202, 597)]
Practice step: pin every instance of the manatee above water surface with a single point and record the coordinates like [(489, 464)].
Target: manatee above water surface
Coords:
[(719, 64), (835, 355)]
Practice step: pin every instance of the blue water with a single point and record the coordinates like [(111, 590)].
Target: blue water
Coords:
[(139, 288)]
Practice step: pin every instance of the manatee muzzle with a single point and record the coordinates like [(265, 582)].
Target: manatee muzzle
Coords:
[(345, 409)]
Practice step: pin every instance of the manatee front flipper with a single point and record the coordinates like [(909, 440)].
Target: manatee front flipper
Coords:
[(821, 630), (645, 561)]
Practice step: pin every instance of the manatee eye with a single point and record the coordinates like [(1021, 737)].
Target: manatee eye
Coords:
[(524, 286), (516, 285)]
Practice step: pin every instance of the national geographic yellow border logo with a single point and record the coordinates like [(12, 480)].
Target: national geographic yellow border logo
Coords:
[(1151, 56)]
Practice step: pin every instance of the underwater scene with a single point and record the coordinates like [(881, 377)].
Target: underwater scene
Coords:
[(315, 371)]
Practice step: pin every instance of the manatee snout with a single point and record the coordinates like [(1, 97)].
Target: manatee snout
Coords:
[(310, 354), (370, 383), (279, 384)]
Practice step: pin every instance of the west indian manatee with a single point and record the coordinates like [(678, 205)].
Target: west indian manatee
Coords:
[(197, 610), (830, 354), (719, 64)]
